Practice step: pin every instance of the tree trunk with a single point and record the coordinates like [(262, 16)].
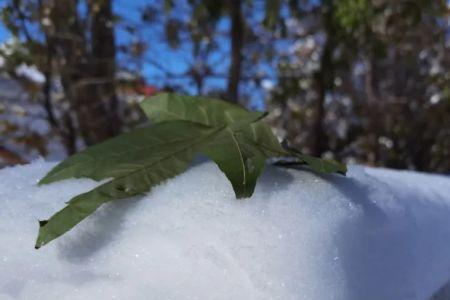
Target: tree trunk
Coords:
[(104, 66), (324, 82), (318, 132), (237, 36), (88, 70)]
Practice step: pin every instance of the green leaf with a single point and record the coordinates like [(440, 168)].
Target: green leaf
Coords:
[(155, 154), (239, 151), (234, 138), (239, 158), (120, 155), (318, 165), (167, 107)]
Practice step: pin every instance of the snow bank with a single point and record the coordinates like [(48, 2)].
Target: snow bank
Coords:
[(377, 234)]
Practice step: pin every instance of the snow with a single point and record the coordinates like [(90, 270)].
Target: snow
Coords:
[(376, 234), (30, 72)]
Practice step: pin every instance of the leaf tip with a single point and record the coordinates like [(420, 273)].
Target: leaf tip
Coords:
[(40, 242), (243, 193), (45, 180), (341, 168)]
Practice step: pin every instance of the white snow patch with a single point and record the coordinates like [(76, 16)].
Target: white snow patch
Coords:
[(30, 72), (376, 234)]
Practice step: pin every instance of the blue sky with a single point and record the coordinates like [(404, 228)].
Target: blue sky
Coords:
[(4, 34), (175, 60)]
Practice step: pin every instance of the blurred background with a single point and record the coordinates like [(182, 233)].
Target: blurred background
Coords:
[(361, 81)]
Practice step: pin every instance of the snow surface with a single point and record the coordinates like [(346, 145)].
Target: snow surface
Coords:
[(376, 234)]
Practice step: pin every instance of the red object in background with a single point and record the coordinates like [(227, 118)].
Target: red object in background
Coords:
[(146, 90)]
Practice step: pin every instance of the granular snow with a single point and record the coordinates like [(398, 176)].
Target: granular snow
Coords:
[(375, 234)]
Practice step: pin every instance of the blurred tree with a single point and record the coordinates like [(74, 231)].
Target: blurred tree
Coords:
[(86, 53), (244, 42), (79, 51), (237, 40), (189, 28), (362, 79)]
